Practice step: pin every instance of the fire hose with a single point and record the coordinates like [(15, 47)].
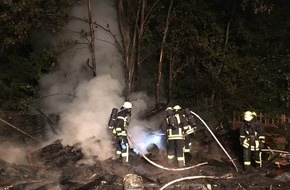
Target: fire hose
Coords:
[(216, 139), (227, 176), (190, 167), (160, 166)]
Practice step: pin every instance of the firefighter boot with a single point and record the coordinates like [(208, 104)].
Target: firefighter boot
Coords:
[(170, 162), (180, 163), (247, 170)]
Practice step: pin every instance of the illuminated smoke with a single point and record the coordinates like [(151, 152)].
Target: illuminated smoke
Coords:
[(85, 103)]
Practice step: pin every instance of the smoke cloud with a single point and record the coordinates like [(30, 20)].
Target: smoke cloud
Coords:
[(85, 103)]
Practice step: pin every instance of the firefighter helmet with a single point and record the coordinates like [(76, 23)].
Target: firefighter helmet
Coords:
[(127, 105), (248, 116), (169, 108), (177, 107)]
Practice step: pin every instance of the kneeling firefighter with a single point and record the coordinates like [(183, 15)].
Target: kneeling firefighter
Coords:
[(119, 122), (252, 138), (174, 126)]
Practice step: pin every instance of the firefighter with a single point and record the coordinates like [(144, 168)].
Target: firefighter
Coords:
[(252, 139), (174, 126), (190, 130), (119, 128)]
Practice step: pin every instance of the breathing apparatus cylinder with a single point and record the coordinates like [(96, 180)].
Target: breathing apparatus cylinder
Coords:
[(189, 116), (113, 116), (171, 118), (187, 112)]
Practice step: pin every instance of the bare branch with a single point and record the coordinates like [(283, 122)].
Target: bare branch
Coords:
[(108, 30), (19, 130), (57, 94), (88, 64), (80, 19), (49, 121), (147, 17)]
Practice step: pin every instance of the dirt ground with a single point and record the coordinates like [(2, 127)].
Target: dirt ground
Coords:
[(63, 167)]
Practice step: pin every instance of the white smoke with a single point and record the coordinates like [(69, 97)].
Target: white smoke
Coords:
[(13, 153), (85, 103)]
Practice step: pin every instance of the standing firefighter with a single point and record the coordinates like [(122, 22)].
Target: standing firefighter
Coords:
[(119, 122), (174, 126), (190, 130), (252, 139)]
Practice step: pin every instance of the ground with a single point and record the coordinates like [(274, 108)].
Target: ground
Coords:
[(62, 167)]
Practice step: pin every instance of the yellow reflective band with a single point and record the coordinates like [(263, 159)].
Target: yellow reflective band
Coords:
[(170, 156), (120, 117), (178, 118), (247, 163), (186, 150), (190, 131), (180, 158)]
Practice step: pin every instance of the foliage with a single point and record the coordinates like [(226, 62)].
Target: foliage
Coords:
[(225, 54), (20, 18), (247, 72), (21, 62)]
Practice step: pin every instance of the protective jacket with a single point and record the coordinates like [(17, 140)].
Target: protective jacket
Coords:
[(121, 123), (177, 130), (252, 135)]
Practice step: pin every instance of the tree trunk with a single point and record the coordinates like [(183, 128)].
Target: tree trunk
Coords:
[(128, 45), (170, 78), (159, 68), (92, 41)]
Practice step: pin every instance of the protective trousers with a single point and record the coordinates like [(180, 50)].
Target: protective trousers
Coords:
[(187, 142), (122, 148), (176, 146), (247, 155)]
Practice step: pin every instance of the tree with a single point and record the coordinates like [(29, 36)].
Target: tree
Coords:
[(133, 22), (21, 64), (160, 62)]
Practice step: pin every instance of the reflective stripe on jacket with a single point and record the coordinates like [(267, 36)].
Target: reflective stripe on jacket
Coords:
[(251, 134)]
